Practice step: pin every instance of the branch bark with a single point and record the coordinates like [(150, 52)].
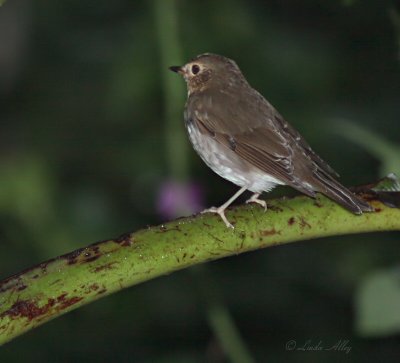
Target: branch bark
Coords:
[(54, 287)]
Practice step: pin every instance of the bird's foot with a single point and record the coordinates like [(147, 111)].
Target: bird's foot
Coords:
[(254, 199), (221, 212)]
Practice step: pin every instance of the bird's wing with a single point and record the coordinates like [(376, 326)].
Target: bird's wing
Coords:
[(257, 133), (289, 130)]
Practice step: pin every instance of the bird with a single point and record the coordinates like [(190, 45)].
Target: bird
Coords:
[(245, 140)]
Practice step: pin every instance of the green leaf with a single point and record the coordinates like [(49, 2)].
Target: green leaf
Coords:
[(377, 304), (385, 151), (389, 184)]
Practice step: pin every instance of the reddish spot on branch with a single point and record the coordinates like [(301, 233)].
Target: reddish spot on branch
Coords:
[(318, 204), (30, 310), (164, 229), (275, 208), (304, 223), (125, 240), (93, 287), (268, 232), (8, 284), (107, 266), (83, 255)]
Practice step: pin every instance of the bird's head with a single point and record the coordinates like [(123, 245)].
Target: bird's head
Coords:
[(207, 70)]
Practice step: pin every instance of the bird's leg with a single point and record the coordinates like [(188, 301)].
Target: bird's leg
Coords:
[(221, 210), (254, 199)]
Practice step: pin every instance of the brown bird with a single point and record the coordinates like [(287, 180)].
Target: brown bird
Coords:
[(241, 136)]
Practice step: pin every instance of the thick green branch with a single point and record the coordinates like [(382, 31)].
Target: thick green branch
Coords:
[(62, 284)]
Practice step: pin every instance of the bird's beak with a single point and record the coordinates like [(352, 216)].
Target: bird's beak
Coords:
[(176, 69)]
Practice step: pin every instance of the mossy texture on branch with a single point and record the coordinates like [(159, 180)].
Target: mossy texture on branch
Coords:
[(54, 287)]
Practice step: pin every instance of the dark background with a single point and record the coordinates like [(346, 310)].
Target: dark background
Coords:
[(84, 157)]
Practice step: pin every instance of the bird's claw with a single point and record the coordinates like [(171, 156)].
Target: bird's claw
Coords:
[(221, 212), (254, 199)]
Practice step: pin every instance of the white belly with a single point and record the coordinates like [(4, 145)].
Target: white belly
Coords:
[(228, 165)]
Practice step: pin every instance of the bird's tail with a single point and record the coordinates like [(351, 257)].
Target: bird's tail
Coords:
[(329, 186)]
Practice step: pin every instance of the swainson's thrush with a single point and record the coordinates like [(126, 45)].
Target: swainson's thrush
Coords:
[(241, 136)]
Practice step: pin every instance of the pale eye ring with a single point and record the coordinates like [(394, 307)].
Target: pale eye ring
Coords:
[(195, 69)]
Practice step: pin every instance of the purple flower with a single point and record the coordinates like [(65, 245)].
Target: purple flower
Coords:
[(176, 199)]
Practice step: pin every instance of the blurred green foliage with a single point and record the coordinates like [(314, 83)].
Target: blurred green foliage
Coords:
[(386, 152), (378, 298), (83, 155)]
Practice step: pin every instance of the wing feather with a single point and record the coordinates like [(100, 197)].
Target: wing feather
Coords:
[(258, 134)]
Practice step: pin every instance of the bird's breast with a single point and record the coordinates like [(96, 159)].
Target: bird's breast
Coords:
[(226, 163)]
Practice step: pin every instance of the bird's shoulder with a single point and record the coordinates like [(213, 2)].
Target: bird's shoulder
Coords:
[(228, 110)]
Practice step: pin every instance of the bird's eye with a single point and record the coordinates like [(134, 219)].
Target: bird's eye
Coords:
[(195, 69)]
